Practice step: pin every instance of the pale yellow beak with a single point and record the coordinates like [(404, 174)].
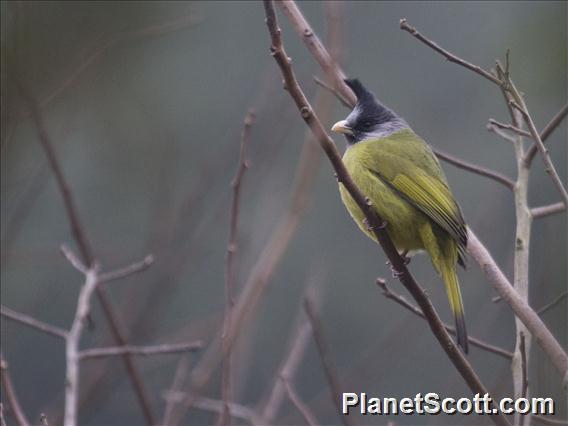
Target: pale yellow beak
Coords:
[(342, 127)]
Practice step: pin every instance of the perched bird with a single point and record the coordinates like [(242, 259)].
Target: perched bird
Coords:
[(400, 175)]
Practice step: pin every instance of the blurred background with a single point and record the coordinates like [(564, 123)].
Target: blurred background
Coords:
[(144, 103)]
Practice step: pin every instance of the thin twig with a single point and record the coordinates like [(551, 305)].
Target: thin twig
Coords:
[(480, 170), (506, 126), (10, 394), (389, 294), (330, 89), (131, 269), (325, 358), (230, 271), (507, 136), (72, 354), (374, 221), (32, 322), (168, 348), (289, 367), (546, 132), (304, 410), (2, 419), (553, 303), (548, 165), (548, 210), (449, 56)]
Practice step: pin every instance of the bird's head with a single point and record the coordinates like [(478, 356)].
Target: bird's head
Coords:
[(369, 118)]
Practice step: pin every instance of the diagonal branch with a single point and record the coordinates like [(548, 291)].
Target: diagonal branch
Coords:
[(546, 132), (375, 222), (519, 104), (474, 168), (449, 56), (32, 322)]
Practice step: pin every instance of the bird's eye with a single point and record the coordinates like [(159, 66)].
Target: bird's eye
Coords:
[(366, 124)]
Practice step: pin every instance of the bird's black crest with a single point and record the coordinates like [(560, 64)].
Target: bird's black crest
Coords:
[(360, 91)]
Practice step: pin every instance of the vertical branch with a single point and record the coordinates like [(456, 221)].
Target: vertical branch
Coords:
[(72, 346), (521, 255), (230, 268)]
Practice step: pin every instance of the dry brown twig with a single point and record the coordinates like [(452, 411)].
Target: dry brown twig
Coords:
[(230, 272), (546, 132), (375, 223)]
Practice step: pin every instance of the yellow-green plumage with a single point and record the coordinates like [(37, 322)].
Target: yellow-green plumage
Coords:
[(403, 179)]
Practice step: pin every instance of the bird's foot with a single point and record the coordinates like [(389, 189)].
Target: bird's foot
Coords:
[(406, 259), (371, 228)]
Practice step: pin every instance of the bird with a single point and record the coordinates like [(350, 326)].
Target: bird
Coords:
[(402, 179)]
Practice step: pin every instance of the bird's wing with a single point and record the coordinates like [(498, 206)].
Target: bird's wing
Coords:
[(425, 188)]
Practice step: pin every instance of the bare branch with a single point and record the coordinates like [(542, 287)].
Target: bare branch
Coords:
[(289, 368), (168, 348), (72, 354), (517, 130), (374, 221), (330, 89), (480, 170), (538, 212), (73, 259), (522, 310), (552, 304), (230, 274), (298, 403), (546, 132), (507, 136), (397, 298), (33, 323), (449, 56), (131, 269), (327, 363), (11, 396)]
